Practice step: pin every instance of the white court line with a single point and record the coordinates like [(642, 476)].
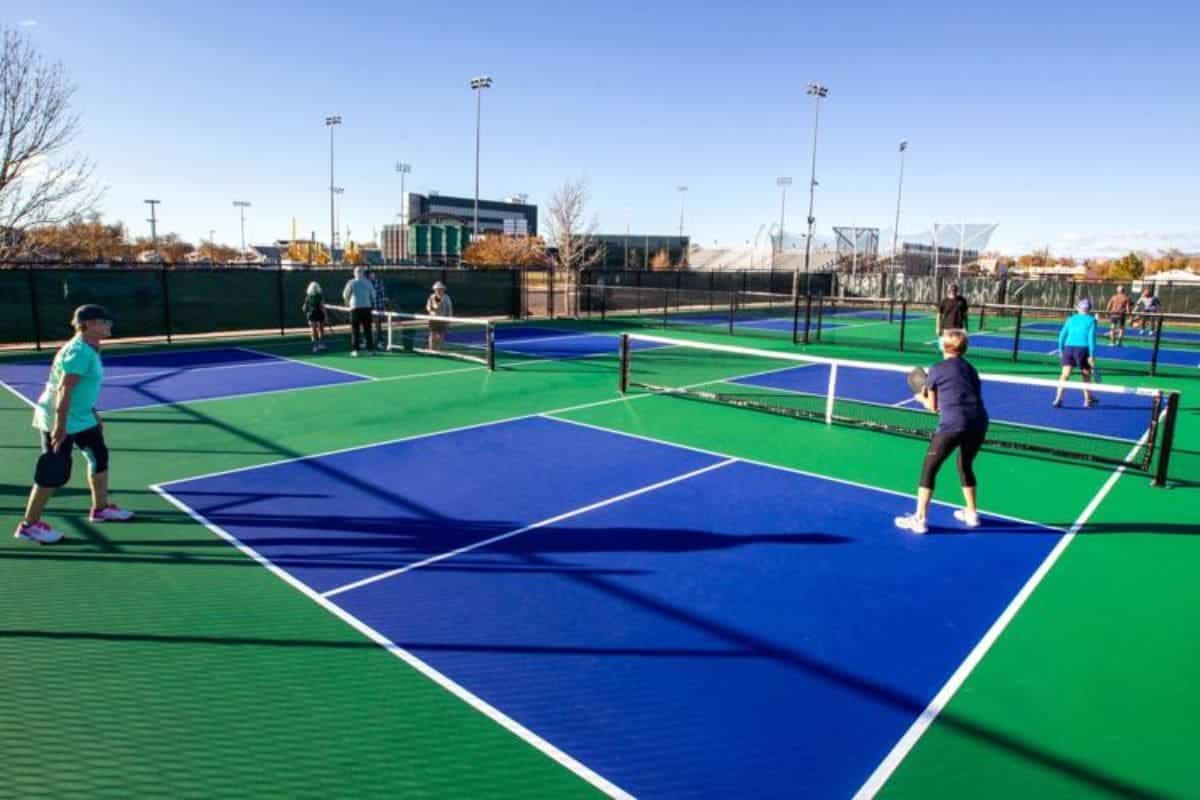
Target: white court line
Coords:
[(18, 395), (294, 389), (475, 702), (541, 524), (910, 738), (269, 354), (792, 470), (273, 362)]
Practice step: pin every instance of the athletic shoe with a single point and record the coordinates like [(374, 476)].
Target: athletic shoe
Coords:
[(911, 523), (354, 354), (968, 518), (110, 513), (38, 532), (316, 348)]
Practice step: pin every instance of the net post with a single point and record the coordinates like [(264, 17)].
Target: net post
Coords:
[(623, 381), (982, 315), (903, 320), (1157, 344), (35, 315), (166, 301), (732, 310), (795, 318), (1167, 441), (892, 312), (490, 344), (666, 307), (603, 304), (831, 393), (1017, 333)]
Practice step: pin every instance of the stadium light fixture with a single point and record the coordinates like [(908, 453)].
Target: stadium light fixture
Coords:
[(241, 206), (403, 169), (899, 194), (682, 196)]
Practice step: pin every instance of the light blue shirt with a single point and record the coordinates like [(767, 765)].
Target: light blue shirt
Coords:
[(1079, 331), (76, 357)]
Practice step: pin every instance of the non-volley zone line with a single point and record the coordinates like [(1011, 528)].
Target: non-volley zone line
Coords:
[(665, 566)]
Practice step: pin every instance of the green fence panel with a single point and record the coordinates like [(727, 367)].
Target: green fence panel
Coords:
[(16, 307), (225, 299), (133, 296)]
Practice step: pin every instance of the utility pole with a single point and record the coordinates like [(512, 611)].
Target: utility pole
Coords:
[(782, 183), (403, 169), (153, 220), (241, 206)]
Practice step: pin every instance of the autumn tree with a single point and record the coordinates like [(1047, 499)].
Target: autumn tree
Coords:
[(495, 250), (215, 253), (39, 184), (171, 249), (83, 239), (310, 252), (1128, 268), (661, 260)]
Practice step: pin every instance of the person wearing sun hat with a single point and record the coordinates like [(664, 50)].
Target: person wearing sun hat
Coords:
[(1077, 343), (438, 305), (65, 415)]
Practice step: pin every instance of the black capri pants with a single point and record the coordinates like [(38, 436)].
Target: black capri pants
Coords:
[(967, 443), (90, 441)]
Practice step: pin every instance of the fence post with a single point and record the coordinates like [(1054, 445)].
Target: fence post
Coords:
[(1074, 291), (166, 300), (36, 314), (807, 315), (903, 318), (279, 295)]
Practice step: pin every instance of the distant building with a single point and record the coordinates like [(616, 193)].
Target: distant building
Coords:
[(512, 218)]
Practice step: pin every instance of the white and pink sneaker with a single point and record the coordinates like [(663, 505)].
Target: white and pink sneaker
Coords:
[(111, 513), (38, 532)]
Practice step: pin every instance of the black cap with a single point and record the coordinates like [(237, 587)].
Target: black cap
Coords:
[(90, 311)]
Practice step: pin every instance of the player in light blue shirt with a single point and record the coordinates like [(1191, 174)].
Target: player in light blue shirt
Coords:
[(1077, 343), (65, 415)]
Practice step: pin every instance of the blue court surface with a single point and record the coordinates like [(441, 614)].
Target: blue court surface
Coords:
[(149, 379), (682, 623), (550, 343), (1124, 417), (1049, 346), (1131, 334)]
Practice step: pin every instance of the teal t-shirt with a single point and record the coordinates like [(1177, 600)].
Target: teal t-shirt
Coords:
[(76, 357)]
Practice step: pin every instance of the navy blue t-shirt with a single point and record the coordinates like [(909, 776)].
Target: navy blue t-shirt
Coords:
[(959, 396)]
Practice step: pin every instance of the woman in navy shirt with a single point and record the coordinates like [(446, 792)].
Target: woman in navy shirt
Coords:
[(954, 391)]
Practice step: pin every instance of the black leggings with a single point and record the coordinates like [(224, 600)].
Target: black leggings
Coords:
[(966, 442), (360, 328), (90, 441)]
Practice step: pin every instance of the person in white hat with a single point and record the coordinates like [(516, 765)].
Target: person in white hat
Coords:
[(438, 305)]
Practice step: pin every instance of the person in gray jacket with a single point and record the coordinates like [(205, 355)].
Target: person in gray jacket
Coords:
[(360, 297)]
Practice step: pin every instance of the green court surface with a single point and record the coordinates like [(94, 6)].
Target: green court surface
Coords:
[(154, 659)]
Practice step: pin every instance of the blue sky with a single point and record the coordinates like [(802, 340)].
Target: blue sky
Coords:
[(1067, 123)]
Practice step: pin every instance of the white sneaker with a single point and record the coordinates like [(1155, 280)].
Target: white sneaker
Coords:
[(968, 518), (911, 523), (354, 354), (111, 513), (38, 532)]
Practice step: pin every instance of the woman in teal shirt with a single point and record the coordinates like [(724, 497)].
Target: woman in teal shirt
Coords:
[(1077, 343), (65, 414)]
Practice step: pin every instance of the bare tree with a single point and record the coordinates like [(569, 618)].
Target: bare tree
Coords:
[(38, 186), (572, 234)]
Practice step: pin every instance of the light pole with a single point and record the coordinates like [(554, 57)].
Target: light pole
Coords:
[(754, 249), (899, 194), (337, 190), (478, 84), (682, 196), (331, 122), (241, 206), (403, 169), (782, 183), (818, 91), (153, 224)]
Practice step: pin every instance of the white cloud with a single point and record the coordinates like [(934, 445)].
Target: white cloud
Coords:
[(1116, 243), (28, 23)]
